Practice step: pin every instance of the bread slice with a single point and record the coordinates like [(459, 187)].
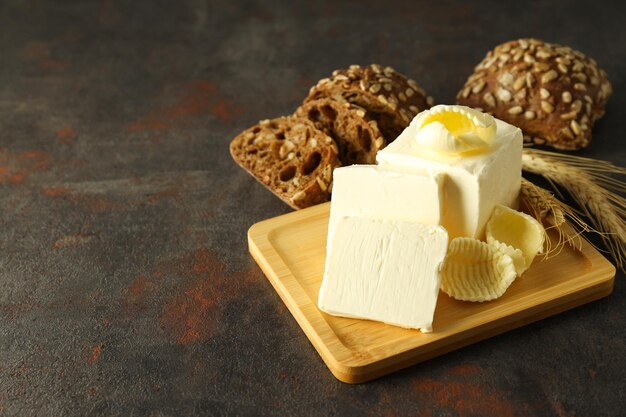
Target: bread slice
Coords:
[(388, 96), (355, 132), (291, 157)]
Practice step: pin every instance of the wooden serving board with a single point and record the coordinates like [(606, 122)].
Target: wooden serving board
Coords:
[(290, 249)]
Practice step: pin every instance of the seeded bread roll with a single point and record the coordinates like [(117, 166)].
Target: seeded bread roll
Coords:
[(389, 97), (552, 92), (356, 134), (291, 157)]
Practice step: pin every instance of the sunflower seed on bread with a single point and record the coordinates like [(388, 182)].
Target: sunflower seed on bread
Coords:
[(390, 98), (552, 92)]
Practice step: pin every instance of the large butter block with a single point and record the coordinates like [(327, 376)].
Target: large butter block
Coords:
[(379, 193), (384, 270), (475, 183)]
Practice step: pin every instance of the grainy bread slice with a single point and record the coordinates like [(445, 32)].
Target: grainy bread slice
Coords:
[(356, 134), (390, 98), (552, 92), (291, 157)]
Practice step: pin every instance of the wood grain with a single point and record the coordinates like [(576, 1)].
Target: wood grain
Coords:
[(290, 249)]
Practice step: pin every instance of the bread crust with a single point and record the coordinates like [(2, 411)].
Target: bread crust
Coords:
[(552, 92), (388, 96), (289, 156)]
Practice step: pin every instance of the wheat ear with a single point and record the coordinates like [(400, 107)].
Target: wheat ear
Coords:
[(553, 213), (589, 183)]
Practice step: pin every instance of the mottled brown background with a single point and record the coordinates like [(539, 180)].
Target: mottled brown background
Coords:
[(126, 287)]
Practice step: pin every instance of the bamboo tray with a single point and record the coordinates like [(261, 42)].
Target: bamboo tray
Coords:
[(290, 249)]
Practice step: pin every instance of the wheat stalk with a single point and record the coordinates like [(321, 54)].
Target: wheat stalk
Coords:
[(588, 181), (547, 209)]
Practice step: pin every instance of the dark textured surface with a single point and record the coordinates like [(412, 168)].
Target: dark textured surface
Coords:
[(126, 287)]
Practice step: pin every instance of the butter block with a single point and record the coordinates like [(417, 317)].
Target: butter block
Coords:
[(475, 182), (379, 193), (384, 270)]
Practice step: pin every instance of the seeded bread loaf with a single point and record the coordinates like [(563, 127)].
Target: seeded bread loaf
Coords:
[(552, 92), (389, 97), (356, 134), (291, 157)]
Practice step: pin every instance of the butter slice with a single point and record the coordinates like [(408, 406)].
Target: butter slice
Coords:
[(474, 184), (384, 270), (379, 193)]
